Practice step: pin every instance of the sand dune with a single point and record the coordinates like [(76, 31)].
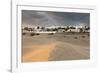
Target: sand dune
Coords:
[(40, 54), (54, 48)]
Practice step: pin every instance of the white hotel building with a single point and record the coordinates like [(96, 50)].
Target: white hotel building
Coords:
[(39, 30)]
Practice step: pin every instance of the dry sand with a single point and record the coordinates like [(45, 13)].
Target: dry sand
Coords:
[(55, 47)]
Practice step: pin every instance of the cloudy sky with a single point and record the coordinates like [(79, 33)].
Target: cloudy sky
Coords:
[(42, 18)]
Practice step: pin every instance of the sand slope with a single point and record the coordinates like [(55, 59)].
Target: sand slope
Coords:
[(42, 54), (55, 48)]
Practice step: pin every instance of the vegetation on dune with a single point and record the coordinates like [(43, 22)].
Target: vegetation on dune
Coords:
[(28, 29), (32, 34), (83, 36), (75, 37), (23, 33), (50, 33)]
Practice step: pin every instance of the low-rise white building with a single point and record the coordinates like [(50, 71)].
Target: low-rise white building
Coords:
[(73, 30)]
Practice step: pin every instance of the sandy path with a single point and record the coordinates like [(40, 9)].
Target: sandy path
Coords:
[(39, 54)]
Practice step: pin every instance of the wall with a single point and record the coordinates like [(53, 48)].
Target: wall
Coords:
[(5, 34)]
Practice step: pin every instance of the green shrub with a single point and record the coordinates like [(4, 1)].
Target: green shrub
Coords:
[(37, 34), (50, 33), (32, 34), (83, 36), (75, 37), (23, 33)]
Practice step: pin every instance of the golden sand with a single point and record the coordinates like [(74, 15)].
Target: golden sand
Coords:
[(40, 54)]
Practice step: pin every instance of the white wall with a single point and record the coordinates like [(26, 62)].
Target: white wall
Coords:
[(88, 2), (5, 34)]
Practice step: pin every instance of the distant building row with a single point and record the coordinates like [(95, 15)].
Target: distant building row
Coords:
[(55, 29)]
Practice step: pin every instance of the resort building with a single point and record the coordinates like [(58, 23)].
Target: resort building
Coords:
[(56, 29)]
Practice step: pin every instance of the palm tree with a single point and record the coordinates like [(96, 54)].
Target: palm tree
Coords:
[(43, 28), (48, 29), (81, 30), (38, 27), (66, 28), (72, 27), (26, 28), (30, 29)]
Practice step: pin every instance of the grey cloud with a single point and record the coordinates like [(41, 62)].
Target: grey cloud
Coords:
[(54, 18)]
